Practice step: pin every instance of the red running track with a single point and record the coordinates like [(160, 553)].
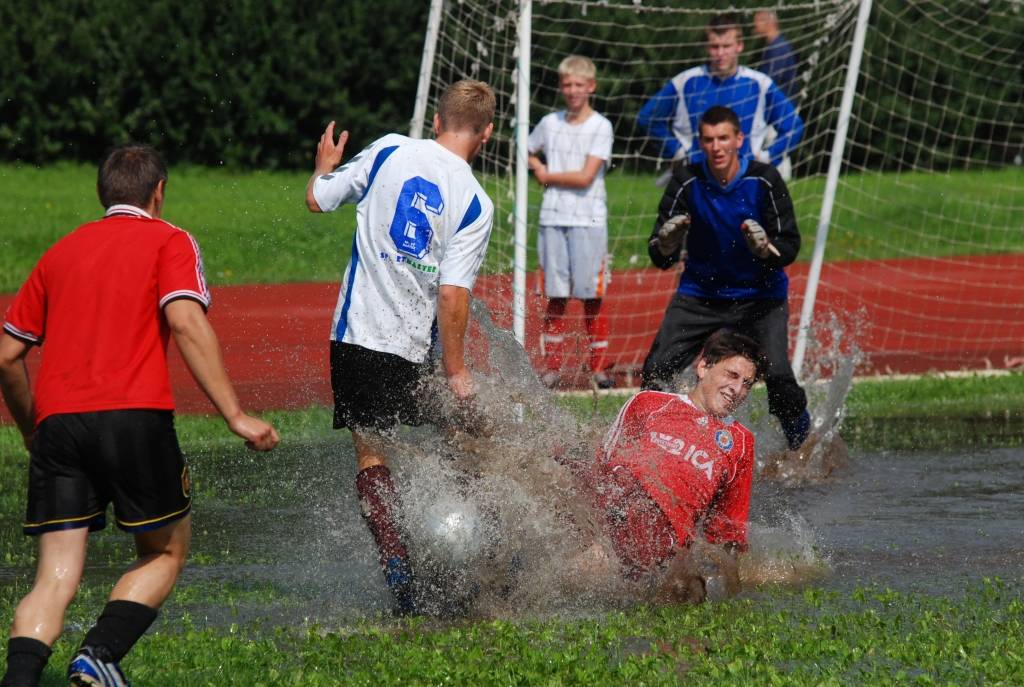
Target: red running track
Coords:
[(918, 315)]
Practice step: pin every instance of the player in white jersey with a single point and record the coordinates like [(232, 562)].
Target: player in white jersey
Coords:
[(572, 243), (422, 225)]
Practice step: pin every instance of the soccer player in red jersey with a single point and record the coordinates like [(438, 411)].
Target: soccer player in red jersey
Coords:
[(677, 464), (102, 303)]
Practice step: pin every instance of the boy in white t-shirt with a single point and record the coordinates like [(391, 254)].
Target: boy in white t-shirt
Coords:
[(572, 243)]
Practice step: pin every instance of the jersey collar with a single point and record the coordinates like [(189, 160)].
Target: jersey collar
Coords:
[(719, 79), (123, 209), (727, 420), (744, 163), (450, 153)]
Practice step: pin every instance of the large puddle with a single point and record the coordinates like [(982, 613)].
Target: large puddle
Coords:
[(280, 539), (911, 521), (931, 523)]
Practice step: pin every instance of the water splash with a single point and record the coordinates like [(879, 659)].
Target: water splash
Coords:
[(833, 357), (497, 523), (785, 553), (503, 526)]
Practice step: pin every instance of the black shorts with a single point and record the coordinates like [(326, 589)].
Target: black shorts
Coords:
[(81, 462), (374, 390), (688, 323)]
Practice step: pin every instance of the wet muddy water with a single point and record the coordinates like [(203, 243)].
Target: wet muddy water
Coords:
[(282, 540), (927, 522)]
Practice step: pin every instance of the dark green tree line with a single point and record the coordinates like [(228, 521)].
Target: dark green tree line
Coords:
[(246, 83), (251, 83)]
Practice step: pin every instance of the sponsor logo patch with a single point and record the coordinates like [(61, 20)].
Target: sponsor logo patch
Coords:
[(696, 457), (723, 438), (406, 260)]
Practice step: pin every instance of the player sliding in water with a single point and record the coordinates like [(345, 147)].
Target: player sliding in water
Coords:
[(675, 465)]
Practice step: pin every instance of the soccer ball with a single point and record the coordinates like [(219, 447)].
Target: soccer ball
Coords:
[(453, 542), (453, 533)]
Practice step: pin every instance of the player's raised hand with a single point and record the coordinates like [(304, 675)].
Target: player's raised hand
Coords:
[(329, 153), (757, 239), (672, 234), (258, 435)]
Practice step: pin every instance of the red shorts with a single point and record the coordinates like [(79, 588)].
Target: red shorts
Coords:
[(642, 535)]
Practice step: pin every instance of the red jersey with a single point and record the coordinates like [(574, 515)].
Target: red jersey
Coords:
[(691, 464), (95, 303)]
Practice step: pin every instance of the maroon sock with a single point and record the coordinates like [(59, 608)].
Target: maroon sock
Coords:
[(379, 502)]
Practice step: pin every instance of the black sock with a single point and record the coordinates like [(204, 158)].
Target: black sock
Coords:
[(119, 627), (26, 658)]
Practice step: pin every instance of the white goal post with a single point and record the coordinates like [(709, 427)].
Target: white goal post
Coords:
[(831, 184)]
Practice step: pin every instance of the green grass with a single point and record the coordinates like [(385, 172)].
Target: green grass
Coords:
[(260, 632), (254, 227), (938, 396), (874, 637), (935, 413), (912, 397)]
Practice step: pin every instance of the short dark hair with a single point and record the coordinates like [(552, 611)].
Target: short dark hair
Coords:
[(718, 114), (129, 174), (727, 343), (724, 21)]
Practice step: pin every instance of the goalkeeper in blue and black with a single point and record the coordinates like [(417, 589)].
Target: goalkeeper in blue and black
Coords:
[(730, 220)]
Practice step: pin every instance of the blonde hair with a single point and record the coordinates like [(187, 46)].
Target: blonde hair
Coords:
[(466, 105), (577, 65)]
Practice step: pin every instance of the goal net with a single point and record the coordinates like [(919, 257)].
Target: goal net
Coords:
[(926, 235)]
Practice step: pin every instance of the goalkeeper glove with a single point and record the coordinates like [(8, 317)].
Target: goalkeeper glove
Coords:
[(757, 239), (672, 234)]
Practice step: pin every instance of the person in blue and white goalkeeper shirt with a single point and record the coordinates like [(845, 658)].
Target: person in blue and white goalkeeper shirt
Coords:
[(422, 226), (771, 126)]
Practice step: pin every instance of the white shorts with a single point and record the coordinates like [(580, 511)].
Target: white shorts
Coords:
[(574, 260)]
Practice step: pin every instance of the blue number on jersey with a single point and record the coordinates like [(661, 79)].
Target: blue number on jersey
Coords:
[(410, 228)]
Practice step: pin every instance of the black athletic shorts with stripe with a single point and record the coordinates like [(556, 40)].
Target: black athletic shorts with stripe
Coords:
[(82, 462)]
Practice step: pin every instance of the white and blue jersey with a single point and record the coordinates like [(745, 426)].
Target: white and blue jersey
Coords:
[(719, 264), (672, 115), (422, 220)]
